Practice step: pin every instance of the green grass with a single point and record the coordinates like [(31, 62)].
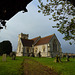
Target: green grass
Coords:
[(64, 68), (10, 67)]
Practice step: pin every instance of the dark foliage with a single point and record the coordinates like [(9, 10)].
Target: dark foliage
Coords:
[(5, 47)]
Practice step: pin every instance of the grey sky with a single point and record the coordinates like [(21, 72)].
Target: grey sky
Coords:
[(34, 24)]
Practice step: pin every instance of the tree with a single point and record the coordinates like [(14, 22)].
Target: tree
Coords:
[(5, 47), (72, 2), (63, 12), (8, 8)]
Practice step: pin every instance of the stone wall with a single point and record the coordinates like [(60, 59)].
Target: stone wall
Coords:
[(41, 49), (58, 51), (27, 51), (49, 52)]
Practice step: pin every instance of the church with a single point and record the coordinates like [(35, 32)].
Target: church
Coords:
[(49, 46)]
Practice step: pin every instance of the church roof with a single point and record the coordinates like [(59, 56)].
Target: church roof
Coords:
[(35, 39), (44, 40), (27, 42)]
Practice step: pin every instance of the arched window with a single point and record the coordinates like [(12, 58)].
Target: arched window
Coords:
[(43, 47), (36, 49), (54, 45)]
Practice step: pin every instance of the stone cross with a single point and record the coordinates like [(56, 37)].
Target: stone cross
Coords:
[(4, 57)]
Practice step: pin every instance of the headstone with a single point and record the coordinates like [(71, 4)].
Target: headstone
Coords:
[(67, 58), (4, 57), (13, 57), (57, 58)]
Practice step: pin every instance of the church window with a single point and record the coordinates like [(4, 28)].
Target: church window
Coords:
[(43, 47), (44, 50), (36, 50), (48, 46), (54, 45)]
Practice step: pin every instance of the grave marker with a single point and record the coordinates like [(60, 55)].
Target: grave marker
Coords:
[(4, 57)]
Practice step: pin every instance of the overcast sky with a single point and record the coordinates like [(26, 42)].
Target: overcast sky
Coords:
[(34, 24)]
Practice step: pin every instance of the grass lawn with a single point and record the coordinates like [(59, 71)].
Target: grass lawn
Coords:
[(11, 67), (64, 68)]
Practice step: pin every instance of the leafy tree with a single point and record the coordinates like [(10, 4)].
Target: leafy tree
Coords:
[(63, 12), (5, 47)]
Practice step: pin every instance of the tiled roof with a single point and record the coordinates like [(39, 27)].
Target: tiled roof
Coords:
[(44, 40), (35, 39), (27, 42)]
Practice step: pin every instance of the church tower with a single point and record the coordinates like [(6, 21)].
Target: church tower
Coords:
[(23, 36), (19, 48)]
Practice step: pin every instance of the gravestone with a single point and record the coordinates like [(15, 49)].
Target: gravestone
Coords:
[(57, 58), (67, 58), (13, 57), (4, 57)]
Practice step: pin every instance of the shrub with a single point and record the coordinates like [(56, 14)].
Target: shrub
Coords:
[(5, 47)]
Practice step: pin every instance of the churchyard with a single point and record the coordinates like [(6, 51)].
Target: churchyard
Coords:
[(17, 66)]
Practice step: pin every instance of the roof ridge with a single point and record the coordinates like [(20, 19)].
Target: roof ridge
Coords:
[(26, 39), (45, 40), (36, 37), (47, 36)]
